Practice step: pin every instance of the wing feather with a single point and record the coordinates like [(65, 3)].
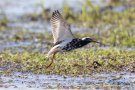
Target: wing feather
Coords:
[(60, 28)]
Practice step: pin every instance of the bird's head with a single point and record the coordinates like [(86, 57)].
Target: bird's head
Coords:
[(88, 39)]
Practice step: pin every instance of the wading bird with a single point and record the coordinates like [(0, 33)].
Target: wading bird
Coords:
[(63, 37)]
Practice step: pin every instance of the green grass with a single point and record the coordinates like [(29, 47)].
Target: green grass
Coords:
[(83, 61)]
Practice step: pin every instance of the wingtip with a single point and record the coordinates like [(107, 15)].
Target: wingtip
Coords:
[(56, 14), (56, 11)]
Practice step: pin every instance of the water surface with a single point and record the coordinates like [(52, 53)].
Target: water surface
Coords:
[(115, 81)]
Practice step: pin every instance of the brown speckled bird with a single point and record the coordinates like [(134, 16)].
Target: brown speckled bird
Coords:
[(63, 37)]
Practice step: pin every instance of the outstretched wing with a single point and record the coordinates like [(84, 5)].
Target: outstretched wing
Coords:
[(61, 29)]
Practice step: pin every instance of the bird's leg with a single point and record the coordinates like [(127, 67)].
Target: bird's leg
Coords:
[(52, 59), (52, 52)]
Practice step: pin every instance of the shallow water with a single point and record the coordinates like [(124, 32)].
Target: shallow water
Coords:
[(115, 81)]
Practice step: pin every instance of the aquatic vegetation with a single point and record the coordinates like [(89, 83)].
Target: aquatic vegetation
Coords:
[(82, 61)]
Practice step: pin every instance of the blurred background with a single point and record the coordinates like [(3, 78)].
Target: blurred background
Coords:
[(25, 38), (25, 24)]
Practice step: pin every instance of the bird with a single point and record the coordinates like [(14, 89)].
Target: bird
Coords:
[(64, 40)]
